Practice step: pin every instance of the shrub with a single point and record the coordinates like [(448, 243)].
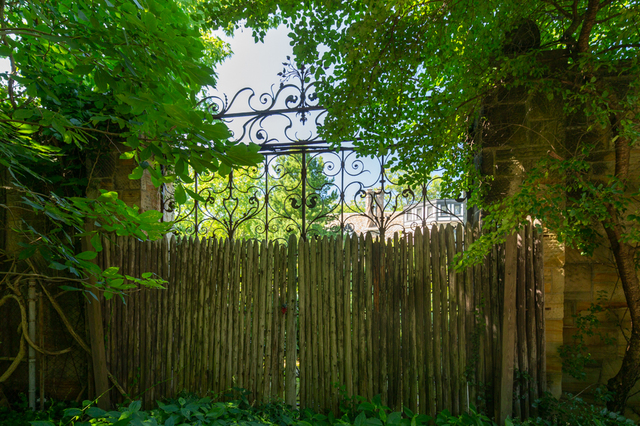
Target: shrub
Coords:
[(573, 411)]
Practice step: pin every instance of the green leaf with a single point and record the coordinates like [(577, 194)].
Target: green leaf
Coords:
[(22, 114), (136, 174), (100, 78), (134, 406), (127, 155), (27, 253), (361, 419), (5, 51), (87, 255), (95, 412), (179, 195), (57, 266), (83, 69), (110, 196), (195, 195), (96, 242), (72, 412)]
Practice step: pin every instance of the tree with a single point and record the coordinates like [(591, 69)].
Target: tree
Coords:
[(90, 77), (238, 208), (420, 73)]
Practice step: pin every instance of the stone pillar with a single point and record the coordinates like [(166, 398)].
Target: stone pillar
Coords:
[(518, 130)]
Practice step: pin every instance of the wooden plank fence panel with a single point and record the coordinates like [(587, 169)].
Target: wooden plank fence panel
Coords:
[(411, 317), (303, 289), (437, 318), (444, 321), (324, 324), (508, 329), (245, 312), (385, 299), (540, 321), (356, 311), (391, 343), (486, 358), (341, 294), (462, 320), (494, 334), (479, 324), (531, 319), (333, 330), (378, 317), (522, 350), (348, 317), (405, 354), (291, 336), (453, 321), (368, 293)]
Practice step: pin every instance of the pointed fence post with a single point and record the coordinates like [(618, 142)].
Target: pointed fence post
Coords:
[(508, 327), (292, 332)]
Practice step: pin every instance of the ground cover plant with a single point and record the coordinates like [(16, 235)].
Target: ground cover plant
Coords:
[(191, 410), (235, 408)]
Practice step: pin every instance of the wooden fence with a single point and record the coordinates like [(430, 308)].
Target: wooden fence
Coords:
[(295, 322)]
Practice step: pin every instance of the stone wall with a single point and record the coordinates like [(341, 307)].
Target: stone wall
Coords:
[(518, 130)]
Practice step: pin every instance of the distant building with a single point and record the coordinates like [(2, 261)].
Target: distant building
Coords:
[(402, 219)]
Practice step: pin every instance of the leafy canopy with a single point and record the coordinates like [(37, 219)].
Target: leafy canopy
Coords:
[(91, 77)]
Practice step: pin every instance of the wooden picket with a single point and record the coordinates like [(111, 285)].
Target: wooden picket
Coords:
[(295, 322)]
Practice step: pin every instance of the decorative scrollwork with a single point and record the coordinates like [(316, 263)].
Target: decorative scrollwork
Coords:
[(303, 187)]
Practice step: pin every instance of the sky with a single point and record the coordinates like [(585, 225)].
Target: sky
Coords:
[(253, 64)]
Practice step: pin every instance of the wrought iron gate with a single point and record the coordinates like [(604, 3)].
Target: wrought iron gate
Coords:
[(306, 185)]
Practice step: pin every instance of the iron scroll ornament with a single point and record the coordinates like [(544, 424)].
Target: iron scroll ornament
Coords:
[(294, 101)]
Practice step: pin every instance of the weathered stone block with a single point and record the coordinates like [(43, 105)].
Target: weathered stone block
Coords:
[(583, 296), (548, 135), (577, 278), (539, 107), (554, 330), (614, 293), (504, 124)]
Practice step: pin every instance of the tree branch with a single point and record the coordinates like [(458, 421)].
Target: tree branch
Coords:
[(560, 9), (576, 18), (587, 25)]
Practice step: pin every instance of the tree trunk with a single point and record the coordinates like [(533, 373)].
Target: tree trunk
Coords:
[(622, 383), (624, 254), (96, 329)]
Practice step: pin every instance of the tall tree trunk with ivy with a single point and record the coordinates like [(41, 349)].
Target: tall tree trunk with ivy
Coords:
[(625, 256)]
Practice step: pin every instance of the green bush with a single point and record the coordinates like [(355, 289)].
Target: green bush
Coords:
[(20, 415)]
